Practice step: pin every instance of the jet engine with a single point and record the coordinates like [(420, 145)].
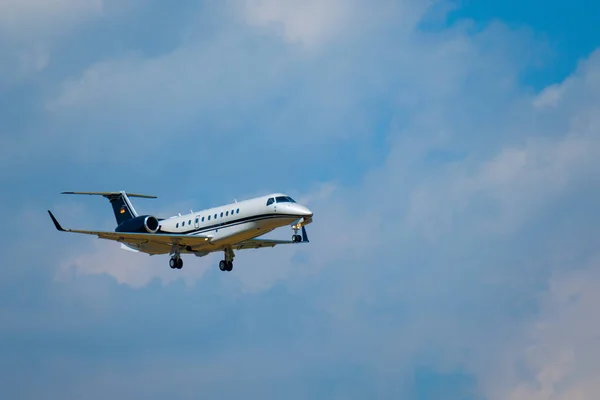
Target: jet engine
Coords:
[(141, 224)]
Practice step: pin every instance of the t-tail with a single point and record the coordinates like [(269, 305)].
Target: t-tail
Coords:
[(121, 205)]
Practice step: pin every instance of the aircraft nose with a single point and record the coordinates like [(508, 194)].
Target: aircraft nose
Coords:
[(305, 212), (299, 210)]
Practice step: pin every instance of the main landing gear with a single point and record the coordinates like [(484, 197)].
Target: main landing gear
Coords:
[(224, 265), (227, 263), (176, 262)]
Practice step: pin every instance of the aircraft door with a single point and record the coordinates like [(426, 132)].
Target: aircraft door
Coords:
[(197, 222)]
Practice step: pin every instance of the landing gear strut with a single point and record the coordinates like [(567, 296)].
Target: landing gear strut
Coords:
[(176, 262), (227, 263)]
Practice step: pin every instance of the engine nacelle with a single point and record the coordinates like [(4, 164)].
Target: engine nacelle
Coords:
[(141, 224)]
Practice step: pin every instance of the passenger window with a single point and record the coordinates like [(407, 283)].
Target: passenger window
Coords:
[(183, 223), (202, 219), (209, 217), (215, 216), (190, 222), (238, 211), (177, 226), (226, 213), (231, 212), (196, 220), (221, 215), (270, 201)]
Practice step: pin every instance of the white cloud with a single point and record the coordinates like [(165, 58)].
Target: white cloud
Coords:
[(133, 269), (562, 343), (472, 215), (170, 91), (310, 22), (548, 98), (318, 24)]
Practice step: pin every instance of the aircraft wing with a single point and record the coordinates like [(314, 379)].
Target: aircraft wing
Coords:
[(258, 243), (138, 238)]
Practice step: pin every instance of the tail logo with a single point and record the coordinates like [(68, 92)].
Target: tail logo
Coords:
[(122, 210)]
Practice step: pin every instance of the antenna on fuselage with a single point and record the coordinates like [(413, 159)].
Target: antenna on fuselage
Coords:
[(235, 200)]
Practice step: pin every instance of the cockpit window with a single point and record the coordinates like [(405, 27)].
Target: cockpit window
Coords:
[(285, 199), (270, 201)]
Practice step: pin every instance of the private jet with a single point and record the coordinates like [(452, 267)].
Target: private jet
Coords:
[(234, 226)]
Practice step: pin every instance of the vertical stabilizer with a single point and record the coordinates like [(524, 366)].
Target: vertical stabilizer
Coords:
[(122, 207)]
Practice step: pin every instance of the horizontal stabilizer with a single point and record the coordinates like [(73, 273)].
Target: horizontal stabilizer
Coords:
[(145, 196)]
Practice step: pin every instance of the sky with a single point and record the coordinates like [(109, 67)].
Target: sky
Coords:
[(447, 150)]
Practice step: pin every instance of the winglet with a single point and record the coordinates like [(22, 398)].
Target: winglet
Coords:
[(304, 235), (56, 224)]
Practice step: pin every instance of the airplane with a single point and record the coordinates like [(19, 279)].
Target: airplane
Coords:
[(234, 226)]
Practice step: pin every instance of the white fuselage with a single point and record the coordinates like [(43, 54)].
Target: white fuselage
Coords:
[(235, 222)]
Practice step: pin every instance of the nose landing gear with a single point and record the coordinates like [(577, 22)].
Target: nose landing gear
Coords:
[(299, 238)]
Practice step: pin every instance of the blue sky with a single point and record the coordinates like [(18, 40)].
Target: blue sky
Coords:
[(568, 29), (447, 149)]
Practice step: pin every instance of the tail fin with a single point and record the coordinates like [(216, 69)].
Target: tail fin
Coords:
[(120, 202)]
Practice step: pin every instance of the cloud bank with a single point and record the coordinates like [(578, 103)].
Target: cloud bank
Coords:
[(455, 241)]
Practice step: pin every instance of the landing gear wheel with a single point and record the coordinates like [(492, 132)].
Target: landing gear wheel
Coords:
[(225, 265), (176, 262), (296, 238)]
